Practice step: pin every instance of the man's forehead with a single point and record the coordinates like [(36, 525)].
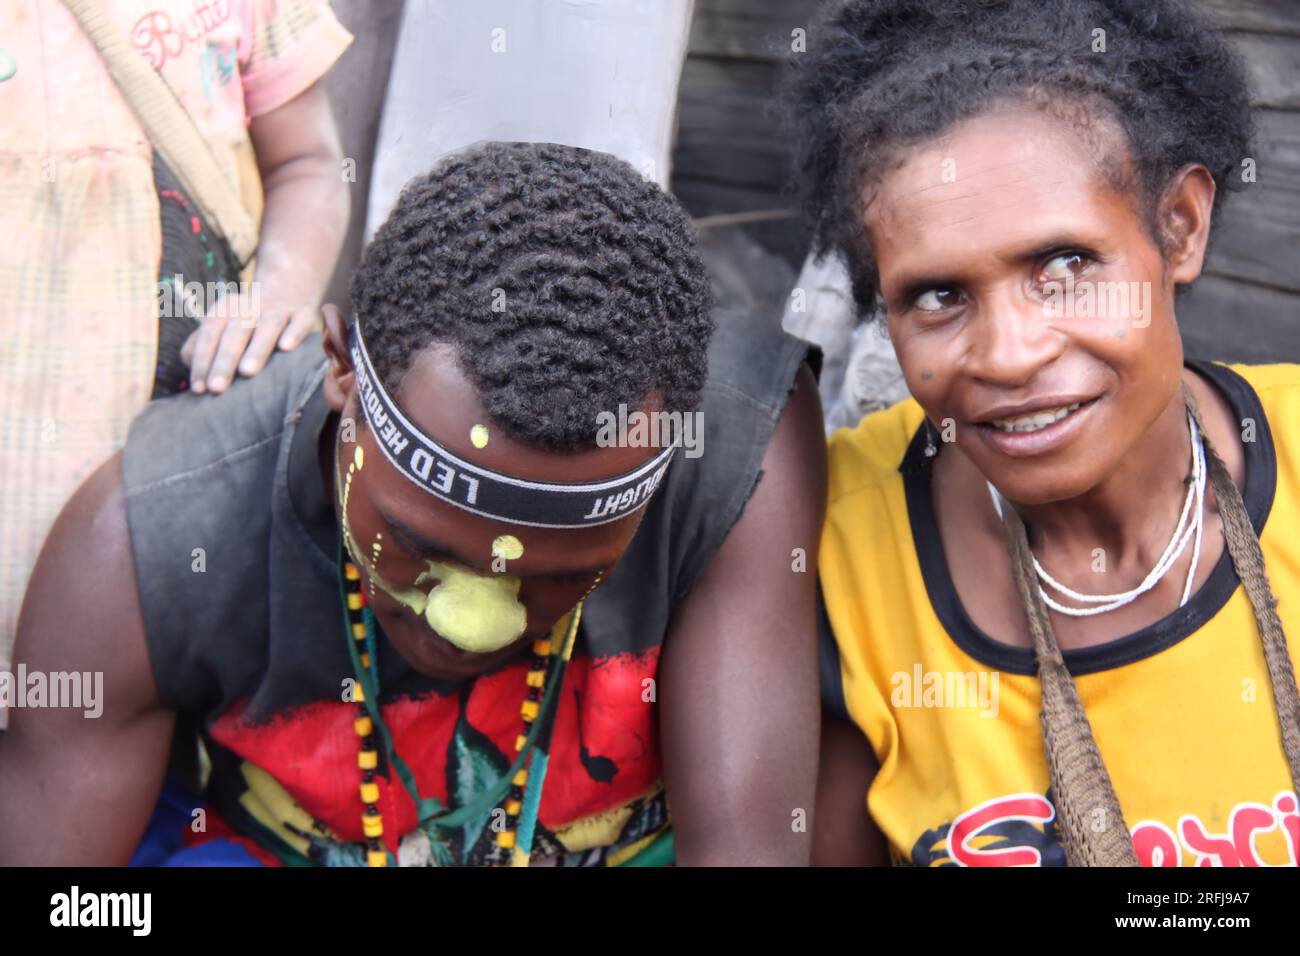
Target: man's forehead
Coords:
[(512, 482), (422, 524), (439, 399)]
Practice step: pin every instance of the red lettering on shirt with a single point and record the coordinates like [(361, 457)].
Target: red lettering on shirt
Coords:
[(1023, 806), (1156, 845)]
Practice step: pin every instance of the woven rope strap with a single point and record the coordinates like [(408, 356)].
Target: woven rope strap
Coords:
[(1248, 561), (1092, 824), (171, 130)]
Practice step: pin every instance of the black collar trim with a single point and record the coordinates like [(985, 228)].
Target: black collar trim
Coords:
[(1261, 487)]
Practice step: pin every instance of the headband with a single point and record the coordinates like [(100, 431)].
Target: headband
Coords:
[(479, 490)]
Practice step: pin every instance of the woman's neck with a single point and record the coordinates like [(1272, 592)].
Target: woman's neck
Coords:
[(1130, 517), (1131, 514)]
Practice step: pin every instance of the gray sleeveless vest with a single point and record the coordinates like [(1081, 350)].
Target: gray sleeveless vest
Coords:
[(235, 539)]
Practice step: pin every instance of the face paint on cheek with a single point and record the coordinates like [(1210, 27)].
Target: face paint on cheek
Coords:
[(507, 546), (375, 549), (358, 459), (371, 566)]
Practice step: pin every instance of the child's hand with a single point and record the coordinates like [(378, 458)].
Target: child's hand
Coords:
[(241, 335), (303, 222)]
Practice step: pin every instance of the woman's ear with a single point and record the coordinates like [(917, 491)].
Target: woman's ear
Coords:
[(1184, 222), (340, 379)]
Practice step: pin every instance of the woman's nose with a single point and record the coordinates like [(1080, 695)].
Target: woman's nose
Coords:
[(1013, 339)]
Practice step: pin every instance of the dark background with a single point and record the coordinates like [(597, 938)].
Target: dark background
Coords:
[(731, 162)]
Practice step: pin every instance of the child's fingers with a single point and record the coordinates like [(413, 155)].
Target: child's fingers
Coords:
[(234, 341), (206, 338), (262, 344), (302, 323)]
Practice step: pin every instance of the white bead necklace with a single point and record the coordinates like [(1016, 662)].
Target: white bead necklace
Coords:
[(1194, 505)]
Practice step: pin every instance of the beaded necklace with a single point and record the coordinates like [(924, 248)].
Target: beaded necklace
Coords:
[(521, 784), (1187, 530)]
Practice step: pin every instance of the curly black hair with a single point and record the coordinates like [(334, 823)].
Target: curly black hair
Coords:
[(881, 75), (566, 282)]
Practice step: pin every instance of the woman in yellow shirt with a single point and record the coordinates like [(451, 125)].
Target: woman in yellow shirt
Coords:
[(1038, 647)]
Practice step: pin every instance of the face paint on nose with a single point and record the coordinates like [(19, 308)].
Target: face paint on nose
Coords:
[(475, 612)]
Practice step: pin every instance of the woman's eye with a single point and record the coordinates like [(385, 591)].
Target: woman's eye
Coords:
[(936, 300), (1062, 267)]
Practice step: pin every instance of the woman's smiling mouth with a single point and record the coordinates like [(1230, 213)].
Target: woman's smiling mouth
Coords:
[(1022, 434), (1035, 422)]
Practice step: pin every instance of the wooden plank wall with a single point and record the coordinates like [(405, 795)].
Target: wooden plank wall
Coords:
[(731, 158), (1246, 307)]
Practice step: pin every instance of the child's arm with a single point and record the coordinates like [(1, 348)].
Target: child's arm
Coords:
[(303, 224)]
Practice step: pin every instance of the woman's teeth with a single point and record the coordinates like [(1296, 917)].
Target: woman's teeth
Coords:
[(1032, 423)]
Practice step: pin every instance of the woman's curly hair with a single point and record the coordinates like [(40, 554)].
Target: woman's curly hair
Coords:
[(567, 283), (881, 75)]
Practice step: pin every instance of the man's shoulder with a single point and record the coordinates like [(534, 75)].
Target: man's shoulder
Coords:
[(186, 438), (202, 476), (752, 362), (752, 368)]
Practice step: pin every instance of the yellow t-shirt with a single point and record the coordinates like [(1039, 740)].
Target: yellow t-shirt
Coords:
[(1182, 711)]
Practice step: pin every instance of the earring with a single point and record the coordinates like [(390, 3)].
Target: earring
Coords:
[(931, 449)]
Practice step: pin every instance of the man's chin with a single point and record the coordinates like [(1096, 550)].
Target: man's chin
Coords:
[(434, 656)]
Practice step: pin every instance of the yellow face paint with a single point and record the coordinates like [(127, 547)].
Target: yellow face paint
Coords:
[(478, 435), (508, 546), (475, 612), (375, 549), (349, 542)]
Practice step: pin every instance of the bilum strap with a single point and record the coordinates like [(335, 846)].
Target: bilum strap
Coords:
[(433, 468)]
